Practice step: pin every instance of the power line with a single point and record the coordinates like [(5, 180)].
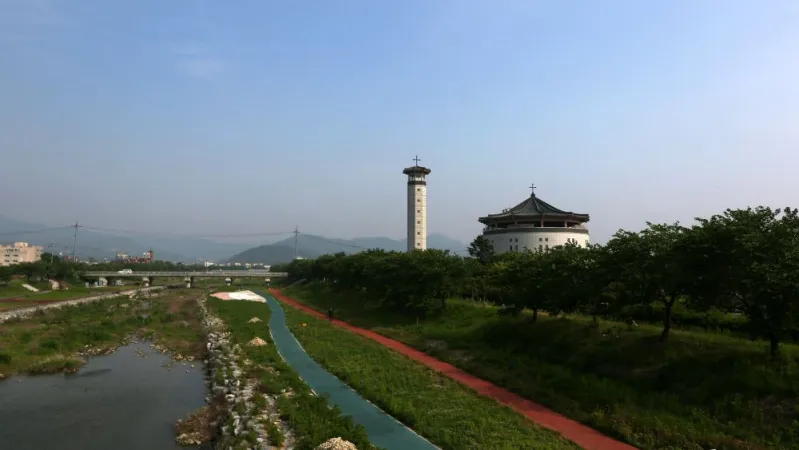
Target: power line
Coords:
[(295, 232), (331, 241), (42, 230), (234, 235)]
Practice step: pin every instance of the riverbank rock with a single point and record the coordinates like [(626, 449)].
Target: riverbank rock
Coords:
[(257, 342), (188, 439), (196, 429), (242, 411), (336, 444), (254, 320)]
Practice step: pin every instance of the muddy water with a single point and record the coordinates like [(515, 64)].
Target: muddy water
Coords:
[(122, 401)]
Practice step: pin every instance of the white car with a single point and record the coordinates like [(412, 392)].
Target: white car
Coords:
[(126, 271)]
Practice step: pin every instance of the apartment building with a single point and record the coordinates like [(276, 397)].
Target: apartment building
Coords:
[(19, 252)]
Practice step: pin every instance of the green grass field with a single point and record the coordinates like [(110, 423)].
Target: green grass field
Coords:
[(443, 411), (700, 390)]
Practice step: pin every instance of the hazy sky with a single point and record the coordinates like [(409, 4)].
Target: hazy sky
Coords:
[(257, 115)]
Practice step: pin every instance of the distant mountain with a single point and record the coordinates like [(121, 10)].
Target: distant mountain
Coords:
[(99, 245), (311, 246)]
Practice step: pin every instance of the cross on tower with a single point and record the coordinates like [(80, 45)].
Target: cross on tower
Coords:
[(532, 186), (417, 159)]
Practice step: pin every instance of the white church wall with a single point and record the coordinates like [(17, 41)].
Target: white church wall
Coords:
[(537, 239), (417, 217)]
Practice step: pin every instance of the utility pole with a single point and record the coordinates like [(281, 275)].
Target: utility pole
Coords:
[(296, 235), (75, 240)]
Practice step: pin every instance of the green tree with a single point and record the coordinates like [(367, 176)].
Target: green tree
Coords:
[(756, 268), (650, 268), (482, 249)]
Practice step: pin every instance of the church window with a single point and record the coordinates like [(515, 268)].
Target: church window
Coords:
[(540, 239)]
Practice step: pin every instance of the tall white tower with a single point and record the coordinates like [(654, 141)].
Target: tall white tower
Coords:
[(417, 205)]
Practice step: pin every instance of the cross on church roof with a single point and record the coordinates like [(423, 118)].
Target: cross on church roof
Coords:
[(417, 159), (532, 187)]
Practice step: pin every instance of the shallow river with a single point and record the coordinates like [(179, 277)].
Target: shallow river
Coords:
[(122, 401)]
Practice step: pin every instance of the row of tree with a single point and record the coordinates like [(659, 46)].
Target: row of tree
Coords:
[(742, 263)]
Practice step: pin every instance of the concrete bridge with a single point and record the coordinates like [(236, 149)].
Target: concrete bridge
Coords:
[(228, 275)]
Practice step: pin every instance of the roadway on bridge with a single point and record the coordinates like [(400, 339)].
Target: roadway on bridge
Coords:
[(384, 431)]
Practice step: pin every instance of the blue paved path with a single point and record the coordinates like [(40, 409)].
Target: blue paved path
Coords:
[(384, 431)]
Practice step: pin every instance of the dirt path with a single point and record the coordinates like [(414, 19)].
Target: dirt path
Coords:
[(582, 435)]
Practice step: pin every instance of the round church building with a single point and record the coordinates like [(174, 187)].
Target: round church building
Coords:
[(535, 225)]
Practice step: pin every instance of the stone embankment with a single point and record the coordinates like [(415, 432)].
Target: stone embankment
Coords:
[(23, 313), (245, 417)]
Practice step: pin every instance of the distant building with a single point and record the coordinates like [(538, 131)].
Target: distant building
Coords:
[(534, 225), (208, 264), (147, 257), (19, 252)]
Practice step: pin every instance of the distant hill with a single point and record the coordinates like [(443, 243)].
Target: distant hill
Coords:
[(99, 245), (311, 246)]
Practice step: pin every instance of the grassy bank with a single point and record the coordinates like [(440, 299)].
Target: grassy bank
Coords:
[(49, 342), (700, 390), (443, 411), (15, 296), (309, 416)]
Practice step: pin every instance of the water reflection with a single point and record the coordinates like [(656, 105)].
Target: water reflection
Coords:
[(122, 401)]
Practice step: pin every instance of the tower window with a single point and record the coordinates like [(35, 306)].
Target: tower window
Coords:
[(418, 200), (418, 233), (418, 211), (418, 222), (418, 189)]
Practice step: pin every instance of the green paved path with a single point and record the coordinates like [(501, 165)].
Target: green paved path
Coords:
[(384, 431)]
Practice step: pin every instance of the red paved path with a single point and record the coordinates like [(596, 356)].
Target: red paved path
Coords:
[(584, 436)]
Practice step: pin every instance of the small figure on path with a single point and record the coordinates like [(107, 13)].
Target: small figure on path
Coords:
[(330, 314)]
